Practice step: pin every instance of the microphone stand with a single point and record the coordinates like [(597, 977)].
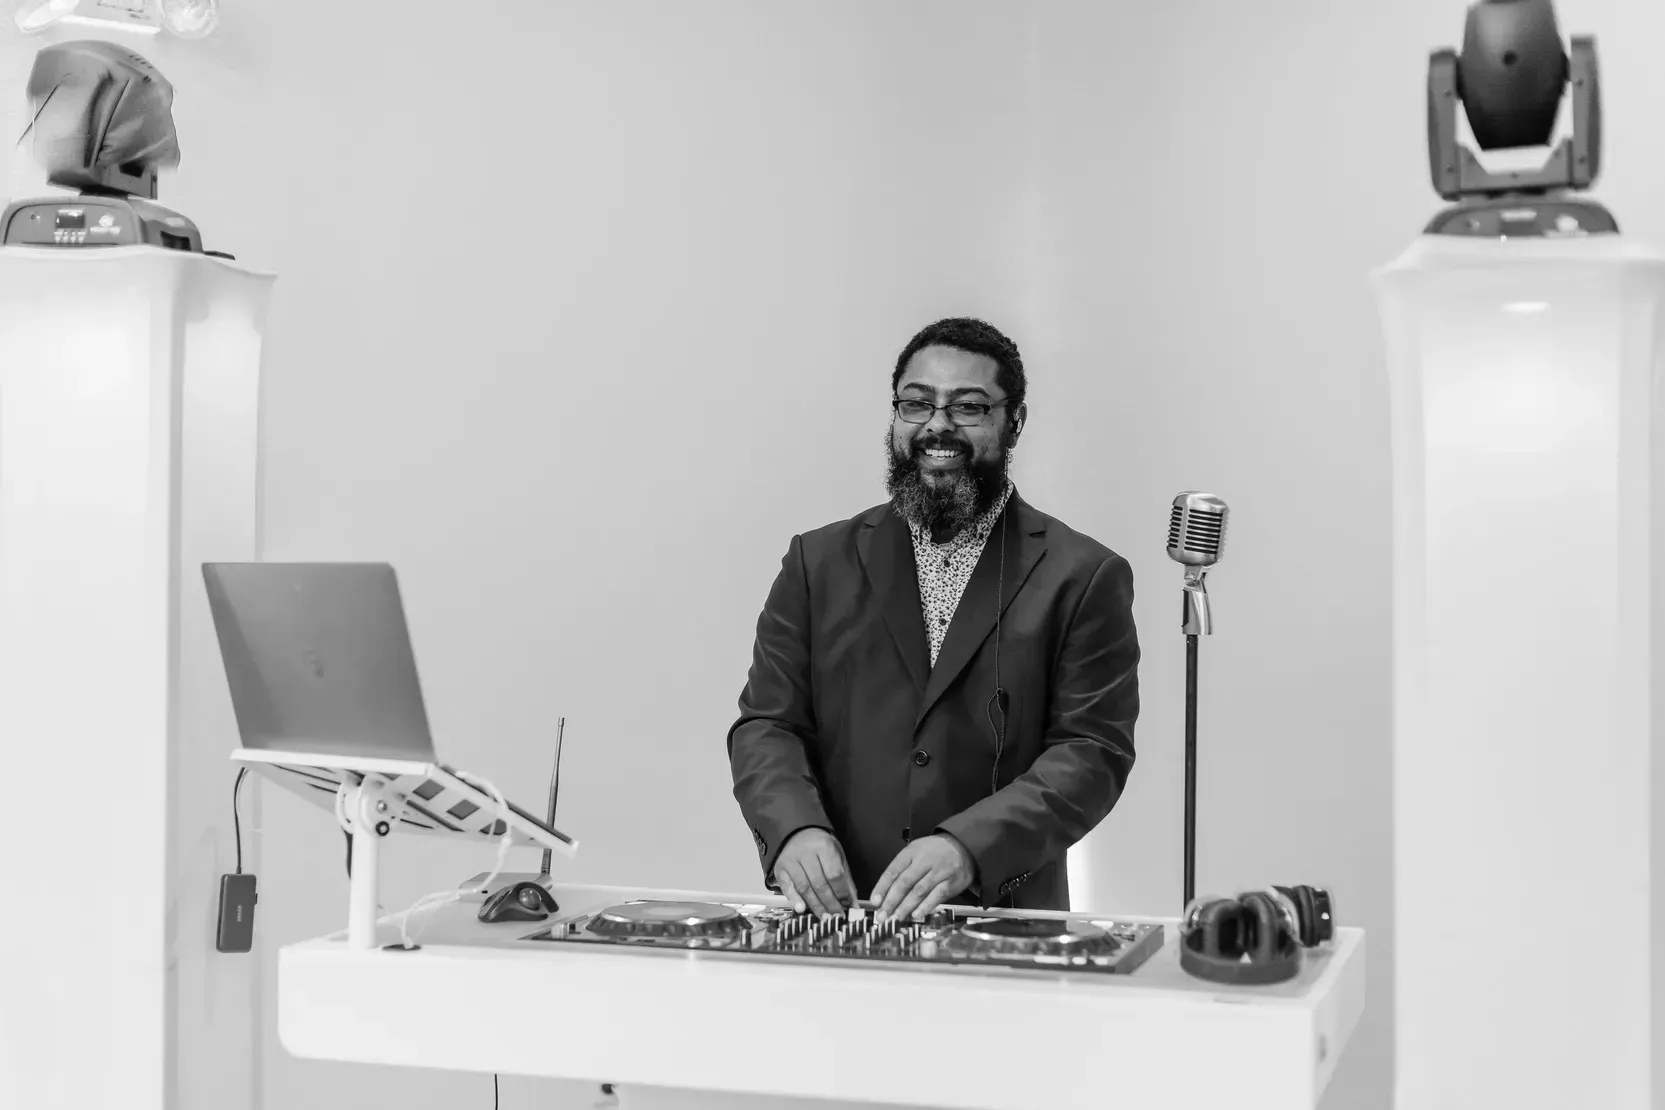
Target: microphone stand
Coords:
[(1197, 622)]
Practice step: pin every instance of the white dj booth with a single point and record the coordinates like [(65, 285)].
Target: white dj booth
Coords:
[(695, 1019), (689, 1029)]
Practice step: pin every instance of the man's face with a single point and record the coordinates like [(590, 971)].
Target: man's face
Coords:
[(943, 475)]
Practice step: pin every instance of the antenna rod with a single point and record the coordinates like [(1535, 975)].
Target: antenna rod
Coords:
[(554, 792)]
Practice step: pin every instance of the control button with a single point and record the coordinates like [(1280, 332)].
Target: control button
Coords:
[(921, 758), (907, 834)]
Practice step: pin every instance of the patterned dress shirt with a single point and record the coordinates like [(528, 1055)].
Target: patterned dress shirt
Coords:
[(945, 568)]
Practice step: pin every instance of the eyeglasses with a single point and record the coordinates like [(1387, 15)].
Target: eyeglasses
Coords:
[(965, 414)]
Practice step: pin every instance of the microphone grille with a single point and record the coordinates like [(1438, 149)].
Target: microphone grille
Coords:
[(1176, 522), (1197, 529)]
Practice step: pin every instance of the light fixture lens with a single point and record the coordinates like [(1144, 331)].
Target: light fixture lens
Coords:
[(39, 16), (190, 19)]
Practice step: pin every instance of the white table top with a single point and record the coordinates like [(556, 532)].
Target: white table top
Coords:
[(477, 997)]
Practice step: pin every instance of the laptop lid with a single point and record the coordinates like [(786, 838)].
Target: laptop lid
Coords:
[(318, 658)]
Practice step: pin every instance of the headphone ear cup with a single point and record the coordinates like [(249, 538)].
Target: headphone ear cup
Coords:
[(1268, 937), (1306, 914), (1219, 930)]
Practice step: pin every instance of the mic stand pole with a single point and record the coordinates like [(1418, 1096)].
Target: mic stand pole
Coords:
[(1197, 622)]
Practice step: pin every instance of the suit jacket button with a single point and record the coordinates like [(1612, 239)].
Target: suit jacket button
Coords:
[(921, 758)]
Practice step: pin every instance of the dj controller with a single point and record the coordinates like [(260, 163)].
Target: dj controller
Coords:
[(947, 937)]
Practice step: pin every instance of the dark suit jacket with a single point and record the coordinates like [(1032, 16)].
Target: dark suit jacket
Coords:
[(845, 725)]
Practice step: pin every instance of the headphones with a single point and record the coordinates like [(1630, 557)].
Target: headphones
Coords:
[(1256, 938)]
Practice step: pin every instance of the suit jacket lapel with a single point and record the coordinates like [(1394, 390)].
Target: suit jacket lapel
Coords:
[(886, 550), (974, 618)]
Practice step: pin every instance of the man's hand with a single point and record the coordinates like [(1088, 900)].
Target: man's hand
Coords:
[(812, 873), (923, 875)]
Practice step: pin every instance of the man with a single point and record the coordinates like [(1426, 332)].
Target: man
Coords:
[(873, 751)]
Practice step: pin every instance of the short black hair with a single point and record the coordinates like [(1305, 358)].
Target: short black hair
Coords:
[(976, 337)]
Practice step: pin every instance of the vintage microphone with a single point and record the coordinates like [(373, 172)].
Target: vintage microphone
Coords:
[(1196, 533)]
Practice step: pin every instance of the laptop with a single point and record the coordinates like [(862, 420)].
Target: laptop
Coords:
[(318, 658), (324, 687)]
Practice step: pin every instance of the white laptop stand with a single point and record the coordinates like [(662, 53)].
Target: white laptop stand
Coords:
[(385, 795)]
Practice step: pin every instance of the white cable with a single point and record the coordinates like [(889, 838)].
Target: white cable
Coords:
[(439, 898), (341, 792), (505, 841)]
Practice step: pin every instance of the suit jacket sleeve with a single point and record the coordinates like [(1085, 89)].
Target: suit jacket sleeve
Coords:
[(774, 781), (1088, 750)]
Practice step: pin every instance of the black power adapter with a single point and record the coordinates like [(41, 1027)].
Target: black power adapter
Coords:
[(237, 899), (237, 892)]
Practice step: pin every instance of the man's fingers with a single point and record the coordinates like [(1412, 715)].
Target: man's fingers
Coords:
[(939, 894), (813, 901), (882, 887), (789, 891), (902, 889), (848, 882), (919, 885), (892, 874), (838, 877), (822, 899), (804, 885)]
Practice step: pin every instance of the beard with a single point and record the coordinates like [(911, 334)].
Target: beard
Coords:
[(943, 502)]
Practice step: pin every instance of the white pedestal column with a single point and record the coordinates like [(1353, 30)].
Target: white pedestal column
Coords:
[(1526, 659), (129, 398)]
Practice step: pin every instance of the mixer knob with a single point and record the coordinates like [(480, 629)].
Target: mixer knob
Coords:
[(938, 919)]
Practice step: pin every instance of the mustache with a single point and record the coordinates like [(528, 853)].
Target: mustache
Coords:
[(941, 445)]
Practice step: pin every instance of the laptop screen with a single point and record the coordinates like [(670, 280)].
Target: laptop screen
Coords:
[(318, 658)]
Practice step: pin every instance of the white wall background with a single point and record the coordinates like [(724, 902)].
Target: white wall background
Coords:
[(584, 310)]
